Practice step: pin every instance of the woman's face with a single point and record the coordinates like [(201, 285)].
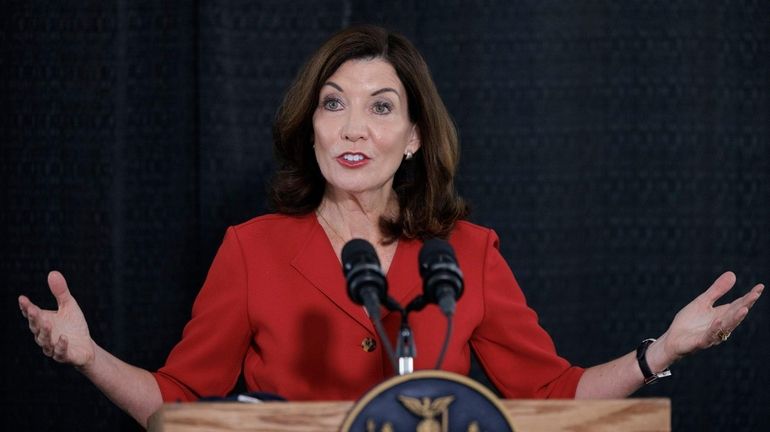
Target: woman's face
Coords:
[(361, 127)]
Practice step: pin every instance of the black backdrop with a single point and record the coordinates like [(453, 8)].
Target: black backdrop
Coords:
[(621, 150)]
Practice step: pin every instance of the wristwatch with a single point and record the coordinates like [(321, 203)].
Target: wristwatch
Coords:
[(641, 358)]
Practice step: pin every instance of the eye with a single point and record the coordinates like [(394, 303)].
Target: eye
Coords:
[(332, 104), (382, 108)]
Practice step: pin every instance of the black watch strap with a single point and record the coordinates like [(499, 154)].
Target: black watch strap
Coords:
[(641, 358)]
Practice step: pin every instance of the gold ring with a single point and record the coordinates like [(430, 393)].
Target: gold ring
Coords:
[(722, 335)]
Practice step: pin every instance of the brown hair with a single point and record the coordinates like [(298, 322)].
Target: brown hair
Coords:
[(424, 185)]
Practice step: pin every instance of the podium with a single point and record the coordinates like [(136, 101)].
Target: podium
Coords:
[(617, 415)]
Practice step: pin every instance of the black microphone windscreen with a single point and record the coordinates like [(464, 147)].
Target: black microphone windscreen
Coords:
[(440, 271), (362, 271), (433, 249), (358, 249)]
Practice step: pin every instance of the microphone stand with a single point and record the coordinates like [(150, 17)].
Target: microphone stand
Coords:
[(405, 349), (405, 346)]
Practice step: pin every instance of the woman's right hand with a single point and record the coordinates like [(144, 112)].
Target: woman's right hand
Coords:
[(62, 333)]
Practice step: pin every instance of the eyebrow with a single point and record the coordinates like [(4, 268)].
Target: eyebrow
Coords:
[(385, 89), (375, 93)]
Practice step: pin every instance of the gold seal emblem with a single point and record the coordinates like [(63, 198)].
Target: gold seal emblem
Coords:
[(428, 401)]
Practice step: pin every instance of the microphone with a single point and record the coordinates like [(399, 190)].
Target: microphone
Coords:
[(367, 286), (442, 278), (366, 283)]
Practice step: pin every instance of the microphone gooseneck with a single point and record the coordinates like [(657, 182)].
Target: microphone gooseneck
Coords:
[(367, 286), (442, 284)]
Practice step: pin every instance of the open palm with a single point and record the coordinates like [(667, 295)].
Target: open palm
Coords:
[(63, 333), (700, 324)]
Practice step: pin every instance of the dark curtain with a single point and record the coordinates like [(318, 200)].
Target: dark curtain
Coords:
[(620, 149)]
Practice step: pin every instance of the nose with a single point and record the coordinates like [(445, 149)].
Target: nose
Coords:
[(355, 127)]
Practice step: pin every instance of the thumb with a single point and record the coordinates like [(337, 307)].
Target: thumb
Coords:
[(58, 287)]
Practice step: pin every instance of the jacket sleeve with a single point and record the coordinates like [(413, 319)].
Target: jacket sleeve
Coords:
[(208, 359), (517, 354)]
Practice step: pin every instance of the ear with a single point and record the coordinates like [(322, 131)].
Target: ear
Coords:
[(414, 140)]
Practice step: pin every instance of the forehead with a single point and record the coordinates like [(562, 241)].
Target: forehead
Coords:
[(367, 75)]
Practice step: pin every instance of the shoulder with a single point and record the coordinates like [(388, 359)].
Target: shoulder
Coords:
[(473, 244), (272, 221), (273, 229), (468, 234)]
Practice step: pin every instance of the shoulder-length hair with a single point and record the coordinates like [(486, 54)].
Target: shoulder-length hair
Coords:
[(424, 185)]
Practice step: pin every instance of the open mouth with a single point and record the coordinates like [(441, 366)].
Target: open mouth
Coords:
[(352, 159)]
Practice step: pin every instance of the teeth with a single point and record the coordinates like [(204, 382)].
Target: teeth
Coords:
[(353, 157)]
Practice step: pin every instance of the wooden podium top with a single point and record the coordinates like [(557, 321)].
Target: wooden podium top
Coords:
[(615, 415)]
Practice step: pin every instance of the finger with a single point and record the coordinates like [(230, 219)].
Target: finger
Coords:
[(44, 339), (48, 350), (24, 303), (33, 317), (719, 287), (752, 296), (744, 304), (44, 336), (712, 337), (59, 289), (60, 350), (34, 330), (748, 299), (739, 317), (733, 316)]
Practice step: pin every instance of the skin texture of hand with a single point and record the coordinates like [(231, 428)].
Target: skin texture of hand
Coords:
[(698, 325), (695, 327), (61, 334)]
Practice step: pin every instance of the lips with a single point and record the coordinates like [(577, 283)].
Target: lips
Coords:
[(352, 160)]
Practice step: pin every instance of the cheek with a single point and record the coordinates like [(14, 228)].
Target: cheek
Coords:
[(393, 138), (324, 130)]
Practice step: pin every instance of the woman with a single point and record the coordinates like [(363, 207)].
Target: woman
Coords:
[(366, 150)]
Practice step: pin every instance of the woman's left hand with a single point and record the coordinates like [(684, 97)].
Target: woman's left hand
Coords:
[(700, 324)]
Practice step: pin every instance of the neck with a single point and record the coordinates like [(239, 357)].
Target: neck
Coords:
[(355, 216)]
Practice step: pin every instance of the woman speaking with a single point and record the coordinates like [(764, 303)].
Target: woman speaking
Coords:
[(365, 149)]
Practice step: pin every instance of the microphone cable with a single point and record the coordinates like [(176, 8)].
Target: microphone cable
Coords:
[(445, 345), (385, 342)]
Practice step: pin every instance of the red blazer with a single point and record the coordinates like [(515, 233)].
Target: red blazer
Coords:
[(274, 305)]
